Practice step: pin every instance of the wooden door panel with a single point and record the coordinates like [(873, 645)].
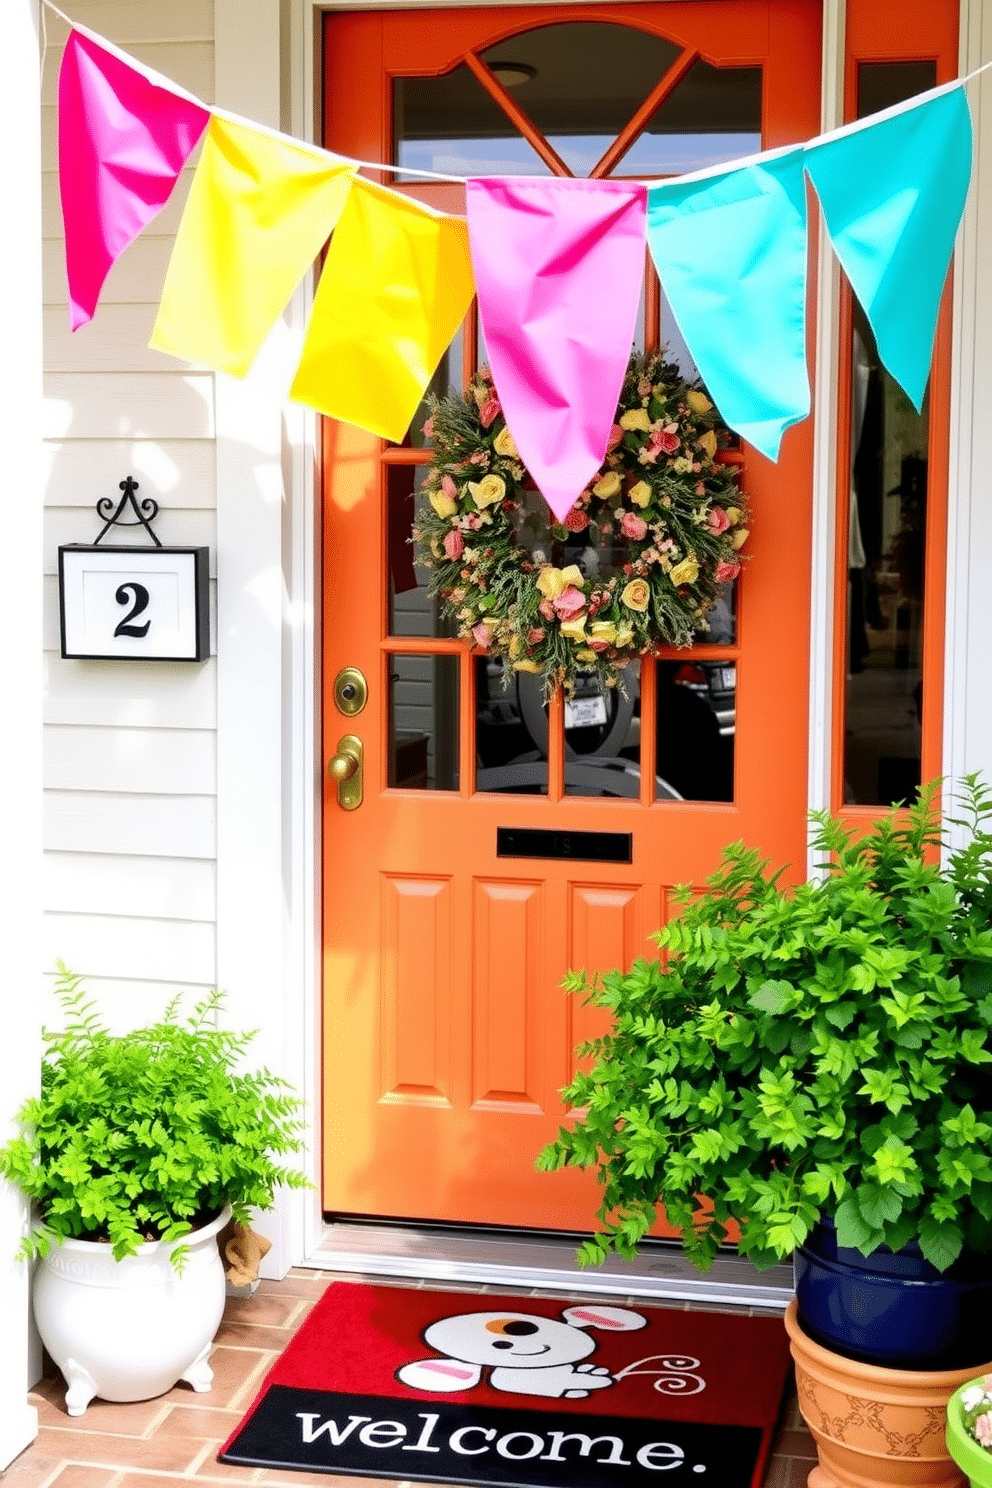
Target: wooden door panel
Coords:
[(415, 973), (447, 1035)]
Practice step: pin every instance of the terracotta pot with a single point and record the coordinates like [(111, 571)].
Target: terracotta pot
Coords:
[(874, 1426)]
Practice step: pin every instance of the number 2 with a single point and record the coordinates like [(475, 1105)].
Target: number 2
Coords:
[(140, 596)]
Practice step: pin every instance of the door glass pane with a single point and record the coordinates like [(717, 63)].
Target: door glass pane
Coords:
[(886, 585), (696, 718), (423, 722), (451, 124), (713, 115), (580, 82), (886, 541), (603, 737), (511, 746), (722, 619), (412, 611), (446, 380)]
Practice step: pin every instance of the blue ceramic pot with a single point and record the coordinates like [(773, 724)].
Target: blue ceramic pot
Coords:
[(893, 1308)]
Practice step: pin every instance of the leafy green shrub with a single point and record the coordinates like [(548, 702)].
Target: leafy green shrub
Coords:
[(147, 1135), (821, 1048)]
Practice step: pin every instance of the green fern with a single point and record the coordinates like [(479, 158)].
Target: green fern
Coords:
[(147, 1135)]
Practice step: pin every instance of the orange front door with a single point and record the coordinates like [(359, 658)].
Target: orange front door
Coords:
[(447, 1037)]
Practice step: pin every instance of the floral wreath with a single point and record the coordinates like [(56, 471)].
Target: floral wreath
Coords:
[(638, 562)]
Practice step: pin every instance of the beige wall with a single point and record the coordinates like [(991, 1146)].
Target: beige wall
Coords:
[(130, 748)]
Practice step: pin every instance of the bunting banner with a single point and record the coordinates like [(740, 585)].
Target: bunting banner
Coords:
[(558, 267), (557, 263), (730, 250), (260, 209), (892, 192), (125, 134), (396, 285)]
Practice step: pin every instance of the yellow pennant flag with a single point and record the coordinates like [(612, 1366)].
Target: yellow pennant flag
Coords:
[(259, 211), (396, 284)]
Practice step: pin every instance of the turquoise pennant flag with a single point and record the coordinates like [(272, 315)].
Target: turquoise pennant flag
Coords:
[(730, 250), (892, 192)]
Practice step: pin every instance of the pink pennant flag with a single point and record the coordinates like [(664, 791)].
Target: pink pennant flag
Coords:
[(125, 134), (558, 269)]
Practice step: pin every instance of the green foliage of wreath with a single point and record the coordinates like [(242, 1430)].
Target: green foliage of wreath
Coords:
[(639, 561)]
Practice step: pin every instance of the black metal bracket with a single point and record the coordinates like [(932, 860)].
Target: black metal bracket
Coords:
[(145, 511)]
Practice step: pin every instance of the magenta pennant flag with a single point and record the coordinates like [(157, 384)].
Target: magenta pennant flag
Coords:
[(124, 136), (558, 269)]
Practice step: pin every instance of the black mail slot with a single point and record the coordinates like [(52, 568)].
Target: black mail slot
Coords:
[(585, 847)]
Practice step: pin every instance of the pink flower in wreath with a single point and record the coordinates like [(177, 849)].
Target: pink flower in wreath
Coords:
[(448, 487), (666, 440), (454, 544), (726, 570), (428, 428), (576, 520), (483, 634), (616, 435), (717, 520), (490, 410), (983, 1429), (598, 646), (546, 609), (535, 636), (634, 527), (570, 602)]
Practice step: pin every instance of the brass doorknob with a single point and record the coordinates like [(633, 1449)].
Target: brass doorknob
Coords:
[(346, 770), (342, 767)]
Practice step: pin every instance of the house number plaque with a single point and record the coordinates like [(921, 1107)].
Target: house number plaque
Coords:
[(141, 603)]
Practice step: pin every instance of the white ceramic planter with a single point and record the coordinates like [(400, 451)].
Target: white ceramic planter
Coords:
[(128, 1330)]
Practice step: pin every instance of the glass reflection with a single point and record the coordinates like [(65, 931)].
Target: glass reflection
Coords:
[(508, 756), (714, 115), (452, 125), (412, 609), (579, 83), (886, 585), (603, 737), (423, 722), (886, 539), (696, 718)]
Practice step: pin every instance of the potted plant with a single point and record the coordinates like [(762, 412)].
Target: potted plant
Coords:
[(969, 1430), (814, 1062), (138, 1150)]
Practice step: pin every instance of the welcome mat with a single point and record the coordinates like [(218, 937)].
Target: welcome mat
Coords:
[(520, 1392)]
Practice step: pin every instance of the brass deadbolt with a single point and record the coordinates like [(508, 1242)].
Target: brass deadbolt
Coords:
[(351, 691)]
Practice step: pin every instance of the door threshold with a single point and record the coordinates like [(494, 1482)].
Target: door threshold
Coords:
[(533, 1260)]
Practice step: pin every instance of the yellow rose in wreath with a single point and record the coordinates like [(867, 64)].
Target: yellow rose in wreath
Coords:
[(488, 491), (603, 630), (636, 595), (608, 485), (505, 445), (697, 401), (686, 572), (640, 494), (739, 538), (635, 418), (575, 630), (445, 506), (526, 666)]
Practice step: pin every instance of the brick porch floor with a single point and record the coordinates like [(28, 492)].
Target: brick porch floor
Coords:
[(174, 1440)]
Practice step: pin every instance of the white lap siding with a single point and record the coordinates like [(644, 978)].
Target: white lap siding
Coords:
[(130, 747)]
